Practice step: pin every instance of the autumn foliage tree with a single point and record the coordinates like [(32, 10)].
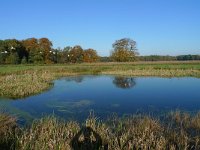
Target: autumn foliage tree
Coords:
[(76, 54), (90, 55), (45, 48), (124, 50), (39, 50), (32, 48)]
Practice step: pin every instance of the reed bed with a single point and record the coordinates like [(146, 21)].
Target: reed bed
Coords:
[(15, 86), (8, 128), (178, 130), (48, 133)]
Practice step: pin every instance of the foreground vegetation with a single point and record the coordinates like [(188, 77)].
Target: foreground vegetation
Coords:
[(178, 130), (24, 80)]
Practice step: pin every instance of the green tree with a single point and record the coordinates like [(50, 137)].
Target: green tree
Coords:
[(2, 52), (14, 51), (45, 47), (63, 55), (38, 57), (124, 50), (13, 58)]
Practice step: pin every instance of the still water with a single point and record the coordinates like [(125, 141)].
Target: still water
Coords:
[(75, 97)]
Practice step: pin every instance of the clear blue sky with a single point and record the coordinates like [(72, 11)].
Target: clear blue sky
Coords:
[(166, 27)]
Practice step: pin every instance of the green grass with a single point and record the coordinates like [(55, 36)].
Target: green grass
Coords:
[(90, 67), (178, 130), (24, 80)]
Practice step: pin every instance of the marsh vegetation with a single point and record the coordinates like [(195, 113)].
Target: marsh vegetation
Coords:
[(177, 130), (24, 80)]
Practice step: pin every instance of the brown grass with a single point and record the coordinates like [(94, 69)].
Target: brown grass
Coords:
[(178, 130), (7, 131)]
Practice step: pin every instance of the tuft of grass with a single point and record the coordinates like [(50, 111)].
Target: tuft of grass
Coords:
[(15, 86), (48, 133)]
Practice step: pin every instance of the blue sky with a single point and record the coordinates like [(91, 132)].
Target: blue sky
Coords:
[(164, 27)]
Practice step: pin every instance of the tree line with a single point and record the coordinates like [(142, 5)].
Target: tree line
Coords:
[(169, 58), (159, 58), (41, 51)]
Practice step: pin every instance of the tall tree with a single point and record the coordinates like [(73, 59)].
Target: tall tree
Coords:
[(32, 47), (76, 54), (45, 47), (65, 54), (90, 55), (124, 50), (14, 50), (2, 52)]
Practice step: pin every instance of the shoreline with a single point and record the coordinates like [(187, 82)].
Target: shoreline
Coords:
[(19, 81)]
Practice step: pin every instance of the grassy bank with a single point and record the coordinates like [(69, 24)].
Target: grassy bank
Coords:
[(24, 80), (178, 130)]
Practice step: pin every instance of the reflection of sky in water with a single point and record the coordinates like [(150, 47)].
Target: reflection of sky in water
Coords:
[(74, 97)]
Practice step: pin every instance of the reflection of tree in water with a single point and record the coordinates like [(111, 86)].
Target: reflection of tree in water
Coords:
[(86, 139), (124, 82), (77, 79)]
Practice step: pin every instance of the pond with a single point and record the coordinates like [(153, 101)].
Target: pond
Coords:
[(74, 97)]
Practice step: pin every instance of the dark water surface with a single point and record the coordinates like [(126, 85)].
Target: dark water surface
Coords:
[(74, 97)]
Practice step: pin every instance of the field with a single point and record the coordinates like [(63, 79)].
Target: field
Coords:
[(112, 66)]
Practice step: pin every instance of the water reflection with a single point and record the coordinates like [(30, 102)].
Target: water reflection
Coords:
[(106, 95), (124, 82), (77, 79)]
